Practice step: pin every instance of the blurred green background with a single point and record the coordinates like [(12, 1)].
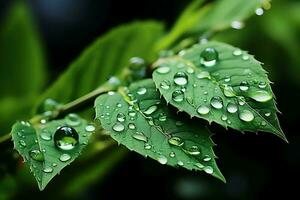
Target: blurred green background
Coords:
[(51, 33)]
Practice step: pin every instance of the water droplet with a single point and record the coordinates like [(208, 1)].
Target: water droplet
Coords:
[(150, 110), (205, 92), (45, 135), (66, 138), (206, 158), (246, 115), (119, 105), (244, 86), (260, 95), (147, 146), (203, 74), (180, 163), (241, 100), (209, 57), (259, 11), (43, 121), (163, 70), (216, 102), (245, 57), (118, 127), (22, 143), (192, 150), (141, 91), (199, 165), (180, 78), (90, 128), (237, 25), (176, 141), (228, 91), (140, 136), (178, 123), (165, 84), (121, 117), (72, 119), (224, 118), (48, 170), (114, 81), (162, 117), (48, 105), (190, 70), (131, 126), (178, 96), (162, 159), (232, 108), (203, 110), (267, 114), (25, 123), (262, 84), (237, 52), (208, 169), (110, 93), (64, 157), (36, 155), (54, 164), (172, 154), (263, 123), (131, 113)]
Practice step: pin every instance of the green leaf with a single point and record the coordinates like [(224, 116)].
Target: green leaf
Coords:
[(22, 64), (46, 150), (142, 122), (104, 58), (218, 82)]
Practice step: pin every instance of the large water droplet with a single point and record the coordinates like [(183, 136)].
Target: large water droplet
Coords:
[(45, 135), (118, 127), (227, 79), (244, 86), (192, 150), (237, 52), (48, 170), (232, 108), (180, 78), (267, 114), (216, 102), (259, 11), (237, 25), (36, 155), (206, 158), (90, 128), (121, 117), (245, 57), (140, 136), (190, 70), (199, 165), (72, 119), (208, 169), (203, 74), (162, 159), (203, 110), (241, 100), (176, 141), (260, 95), (246, 115), (228, 91), (209, 57), (131, 126), (165, 84), (141, 91), (131, 113), (178, 96), (66, 138), (224, 117), (64, 157), (48, 105), (150, 110), (180, 163), (163, 70)]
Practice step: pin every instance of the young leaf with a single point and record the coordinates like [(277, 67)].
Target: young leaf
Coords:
[(48, 148), (142, 122), (219, 83), (104, 58)]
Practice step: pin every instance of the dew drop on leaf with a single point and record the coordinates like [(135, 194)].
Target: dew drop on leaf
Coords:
[(147, 146), (206, 158), (48, 170), (199, 165), (216, 102), (176, 141), (178, 96), (228, 91), (172, 154), (259, 11), (262, 84), (131, 113), (237, 25), (246, 115), (180, 163), (192, 150), (162, 117), (245, 57), (162, 159), (90, 128), (244, 86), (121, 117), (163, 70), (66, 138), (118, 127), (45, 135), (203, 110), (36, 155), (131, 126), (64, 157), (203, 74), (232, 108), (224, 118), (180, 78), (165, 84), (141, 91), (22, 143), (260, 95), (267, 114), (237, 52), (209, 57), (72, 119), (227, 79), (208, 169), (150, 110), (140, 136)]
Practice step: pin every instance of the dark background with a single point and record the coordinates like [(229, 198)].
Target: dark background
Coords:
[(256, 166)]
